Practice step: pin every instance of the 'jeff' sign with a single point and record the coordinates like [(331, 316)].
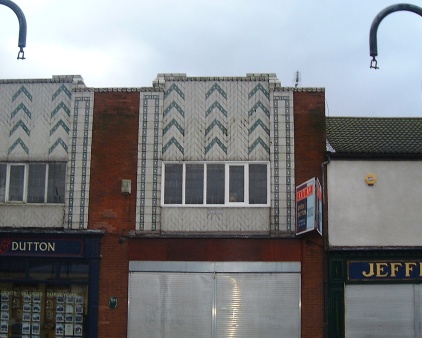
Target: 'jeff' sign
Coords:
[(382, 270)]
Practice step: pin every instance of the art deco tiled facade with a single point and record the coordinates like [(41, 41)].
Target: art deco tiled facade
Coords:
[(216, 119), (43, 120)]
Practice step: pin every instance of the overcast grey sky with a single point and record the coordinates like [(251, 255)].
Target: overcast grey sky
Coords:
[(126, 43)]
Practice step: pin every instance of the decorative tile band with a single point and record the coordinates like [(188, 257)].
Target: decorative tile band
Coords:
[(144, 160), (217, 88), (79, 101), (63, 89), (22, 90), (277, 159), (175, 88), (259, 87)]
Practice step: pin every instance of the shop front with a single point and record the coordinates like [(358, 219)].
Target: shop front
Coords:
[(376, 293), (49, 284), (214, 287)]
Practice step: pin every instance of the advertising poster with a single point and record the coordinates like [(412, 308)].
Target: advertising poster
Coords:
[(309, 207)]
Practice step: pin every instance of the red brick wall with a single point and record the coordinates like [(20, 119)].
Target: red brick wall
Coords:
[(309, 108), (215, 249), (114, 157)]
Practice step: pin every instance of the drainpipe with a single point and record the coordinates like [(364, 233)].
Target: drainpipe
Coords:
[(373, 50), (22, 26), (325, 246)]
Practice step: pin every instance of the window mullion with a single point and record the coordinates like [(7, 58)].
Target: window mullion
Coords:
[(7, 188), (183, 183), (25, 182), (226, 183), (205, 184), (47, 173), (246, 184)]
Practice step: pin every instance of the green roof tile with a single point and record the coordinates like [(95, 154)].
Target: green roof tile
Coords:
[(374, 136)]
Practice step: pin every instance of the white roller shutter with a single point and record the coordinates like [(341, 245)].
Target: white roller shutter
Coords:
[(258, 305), (382, 310), (214, 300), (170, 305)]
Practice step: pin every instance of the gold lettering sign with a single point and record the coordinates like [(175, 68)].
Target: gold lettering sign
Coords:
[(381, 270)]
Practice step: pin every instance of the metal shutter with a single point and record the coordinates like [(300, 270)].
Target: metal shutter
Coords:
[(170, 305), (380, 311), (258, 305)]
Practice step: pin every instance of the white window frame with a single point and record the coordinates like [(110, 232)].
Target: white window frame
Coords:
[(227, 202), (25, 183)]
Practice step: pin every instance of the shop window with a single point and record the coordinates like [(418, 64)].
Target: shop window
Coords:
[(42, 310), (216, 184), (32, 182)]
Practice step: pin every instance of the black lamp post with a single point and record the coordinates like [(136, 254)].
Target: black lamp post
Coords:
[(373, 49), (22, 26)]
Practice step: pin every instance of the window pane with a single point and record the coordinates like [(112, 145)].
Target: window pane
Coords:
[(17, 174), (74, 271), (3, 167), (173, 184), (194, 193), (258, 184), (36, 183), (237, 183), (56, 182), (215, 184)]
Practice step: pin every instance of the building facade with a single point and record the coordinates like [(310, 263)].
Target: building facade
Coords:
[(374, 233), (159, 211), (193, 182), (49, 260)]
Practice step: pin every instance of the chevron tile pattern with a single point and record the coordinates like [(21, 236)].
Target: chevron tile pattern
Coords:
[(35, 120), (220, 119), (41, 120)]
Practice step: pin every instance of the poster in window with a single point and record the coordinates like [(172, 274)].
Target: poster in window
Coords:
[(59, 329), (79, 318), (79, 309), (68, 318), (36, 297), (35, 328), (68, 329), (4, 327), (69, 308), (26, 307), (26, 328), (36, 307), (59, 308), (78, 330), (59, 317), (26, 317)]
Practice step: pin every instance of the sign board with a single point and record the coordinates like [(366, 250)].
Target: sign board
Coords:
[(47, 247), (309, 207), (384, 270)]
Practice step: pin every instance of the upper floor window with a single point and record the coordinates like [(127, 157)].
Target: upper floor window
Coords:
[(216, 184), (32, 182)]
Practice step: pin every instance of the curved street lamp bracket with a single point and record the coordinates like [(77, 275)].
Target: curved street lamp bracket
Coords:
[(22, 26), (373, 49)]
